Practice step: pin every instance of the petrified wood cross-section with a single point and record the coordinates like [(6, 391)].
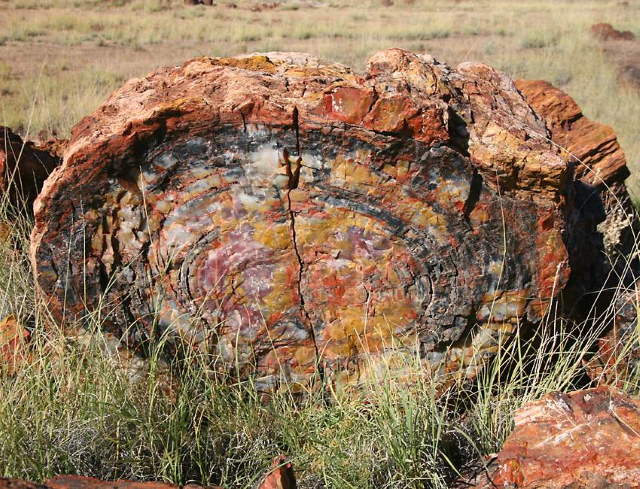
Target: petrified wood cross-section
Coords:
[(292, 216)]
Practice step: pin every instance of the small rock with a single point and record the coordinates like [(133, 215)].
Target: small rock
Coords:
[(264, 6), (281, 475), (13, 337), (606, 32)]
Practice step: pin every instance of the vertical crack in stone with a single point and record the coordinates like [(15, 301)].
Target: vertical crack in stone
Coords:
[(303, 308), (296, 127), (293, 174)]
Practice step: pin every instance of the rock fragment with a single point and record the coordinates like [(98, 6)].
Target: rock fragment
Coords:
[(13, 339), (602, 239), (280, 476), (591, 146), (587, 439), (23, 167)]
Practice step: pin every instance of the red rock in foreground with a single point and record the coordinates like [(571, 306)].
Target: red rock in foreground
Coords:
[(23, 167), (297, 220), (587, 439), (281, 475)]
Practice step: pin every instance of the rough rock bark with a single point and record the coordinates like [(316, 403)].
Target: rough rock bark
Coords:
[(591, 146), (587, 439), (602, 243), (23, 167), (295, 218)]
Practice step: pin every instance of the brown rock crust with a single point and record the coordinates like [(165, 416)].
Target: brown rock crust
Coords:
[(297, 219), (591, 146), (602, 241), (13, 339)]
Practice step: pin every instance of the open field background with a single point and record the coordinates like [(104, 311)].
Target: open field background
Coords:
[(60, 58), (73, 409)]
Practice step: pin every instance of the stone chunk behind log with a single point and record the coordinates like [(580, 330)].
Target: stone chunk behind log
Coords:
[(24, 166), (297, 219), (591, 146)]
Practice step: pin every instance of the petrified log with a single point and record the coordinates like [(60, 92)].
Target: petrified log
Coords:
[(24, 166), (294, 217), (585, 439)]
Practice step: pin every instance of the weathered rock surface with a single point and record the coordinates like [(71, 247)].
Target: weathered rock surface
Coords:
[(587, 439), (591, 146), (295, 218), (606, 32), (602, 238), (23, 167)]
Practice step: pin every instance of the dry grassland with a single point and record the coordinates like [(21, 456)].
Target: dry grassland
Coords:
[(60, 58)]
